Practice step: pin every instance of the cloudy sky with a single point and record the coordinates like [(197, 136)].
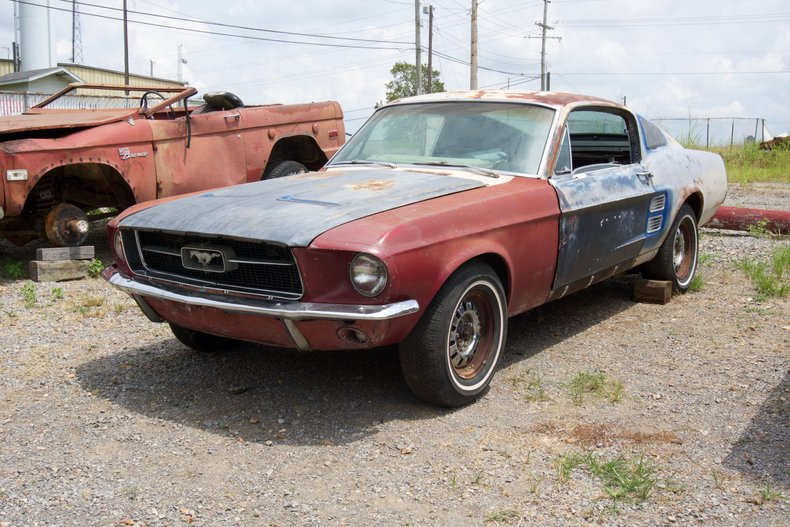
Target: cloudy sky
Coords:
[(669, 58)]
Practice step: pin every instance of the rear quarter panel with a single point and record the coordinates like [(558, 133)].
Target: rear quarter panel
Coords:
[(323, 121), (683, 172)]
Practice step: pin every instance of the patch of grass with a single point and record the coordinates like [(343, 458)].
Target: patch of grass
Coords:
[(705, 259), (13, 270), (57, 293), (532, 383), (533, 483), (118, 308), (595, 383), (770, 278), (697, 283), (767, 494), (718, 479), (92, 301), (501, 516), (95, 268), (748, 164), (28, 292), (623, 479), (760, 229), (566, 463)]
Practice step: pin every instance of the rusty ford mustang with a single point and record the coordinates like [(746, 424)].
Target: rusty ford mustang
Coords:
[(442, 217)]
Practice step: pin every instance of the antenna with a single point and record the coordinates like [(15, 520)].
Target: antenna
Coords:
[(76, 34)]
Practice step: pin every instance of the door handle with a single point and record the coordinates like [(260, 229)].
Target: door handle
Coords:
[(234, 116)]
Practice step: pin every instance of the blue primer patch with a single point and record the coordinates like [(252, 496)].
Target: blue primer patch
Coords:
[(257, 211)]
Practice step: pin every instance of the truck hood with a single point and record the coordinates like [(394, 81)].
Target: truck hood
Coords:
[(294, 210), (47, 119)]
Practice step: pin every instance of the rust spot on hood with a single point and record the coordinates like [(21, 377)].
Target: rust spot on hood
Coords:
[(373, 184)]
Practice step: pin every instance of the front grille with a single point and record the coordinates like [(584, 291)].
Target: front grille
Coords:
[(254, 267)]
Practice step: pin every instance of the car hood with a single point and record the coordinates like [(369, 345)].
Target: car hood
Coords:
[(294, 210), (47, 119)]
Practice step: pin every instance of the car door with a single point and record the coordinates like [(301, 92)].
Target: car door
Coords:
[(605, 197), (207, 152)]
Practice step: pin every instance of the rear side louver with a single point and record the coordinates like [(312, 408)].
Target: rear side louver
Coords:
[(656, 218)]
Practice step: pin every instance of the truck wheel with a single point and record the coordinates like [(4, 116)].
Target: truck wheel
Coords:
[(676, 260), (451, 355), (283, 169), (200, 341), (66, 226)]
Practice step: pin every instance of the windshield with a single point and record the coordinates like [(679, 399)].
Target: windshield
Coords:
[(498, 136)]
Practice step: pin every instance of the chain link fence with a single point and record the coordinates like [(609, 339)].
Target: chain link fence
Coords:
[(714, 131)]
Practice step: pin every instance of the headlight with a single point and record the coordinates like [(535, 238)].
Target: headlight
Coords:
[(117, 244), (368, 274)]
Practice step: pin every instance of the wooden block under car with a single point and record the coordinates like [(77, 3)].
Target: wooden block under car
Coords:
[(653, 291), (41, 271), (54, 254)]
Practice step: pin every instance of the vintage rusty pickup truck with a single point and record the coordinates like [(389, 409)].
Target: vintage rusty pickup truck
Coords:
[(440, 218), (58, 165)]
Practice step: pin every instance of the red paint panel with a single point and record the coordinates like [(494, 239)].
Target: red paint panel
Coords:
[(263, 330), (424, 243)]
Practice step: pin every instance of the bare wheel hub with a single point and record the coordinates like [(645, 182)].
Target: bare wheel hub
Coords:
[(679, 250), (66, 225), (464, 333)]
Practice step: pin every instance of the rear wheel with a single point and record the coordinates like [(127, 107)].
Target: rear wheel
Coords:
[(283, 169), (204, 342), (676, 260), (452, 353)]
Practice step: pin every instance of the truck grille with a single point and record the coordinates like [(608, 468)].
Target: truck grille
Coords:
[(248, 266)]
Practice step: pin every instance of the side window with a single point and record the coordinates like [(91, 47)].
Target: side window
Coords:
[(654, 137), (602, 137), (564, 164)]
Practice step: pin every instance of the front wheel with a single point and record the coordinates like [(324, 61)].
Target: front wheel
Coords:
[(200, 341), (451, 355), (676, 260)]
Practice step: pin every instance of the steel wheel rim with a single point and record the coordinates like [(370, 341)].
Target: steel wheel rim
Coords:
[(683, 250), (471, 336)]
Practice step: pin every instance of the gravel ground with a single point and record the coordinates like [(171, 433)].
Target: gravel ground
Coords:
[(107, 420)]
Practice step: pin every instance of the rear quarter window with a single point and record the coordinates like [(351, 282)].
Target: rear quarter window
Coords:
[(654, 137)]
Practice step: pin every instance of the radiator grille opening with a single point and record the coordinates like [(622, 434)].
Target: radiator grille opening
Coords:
[(259, 267)]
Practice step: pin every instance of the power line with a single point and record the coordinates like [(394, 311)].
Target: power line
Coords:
[(245, 28), (217, 33)]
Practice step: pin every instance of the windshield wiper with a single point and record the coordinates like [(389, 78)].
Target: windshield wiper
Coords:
[(366, 162), (476, 170)]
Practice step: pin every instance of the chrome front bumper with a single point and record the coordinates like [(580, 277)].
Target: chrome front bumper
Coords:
[(270, 308)]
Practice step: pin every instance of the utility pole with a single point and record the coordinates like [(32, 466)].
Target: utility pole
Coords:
[(473, 53), (429, 82), (181, 62), (418, 45), (544, 26), (125, 47)]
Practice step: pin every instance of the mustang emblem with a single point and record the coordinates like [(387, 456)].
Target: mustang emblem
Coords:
[(203, 257), (209, 258)]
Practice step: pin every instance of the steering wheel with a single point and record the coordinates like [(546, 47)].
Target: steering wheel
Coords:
[(144, 102)]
